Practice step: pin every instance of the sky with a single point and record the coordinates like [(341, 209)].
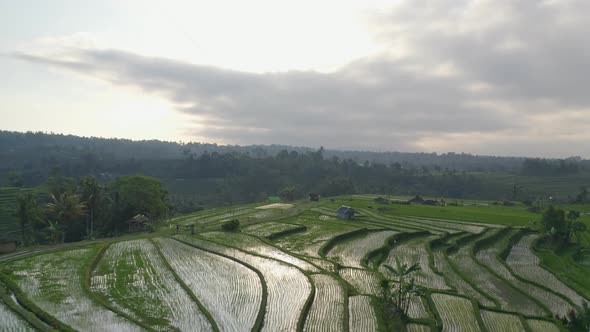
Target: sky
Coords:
[(489, 77)]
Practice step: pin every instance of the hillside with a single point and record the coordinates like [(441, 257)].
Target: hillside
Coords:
[(297, 267)]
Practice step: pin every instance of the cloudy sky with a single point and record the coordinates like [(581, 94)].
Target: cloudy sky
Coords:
[(494, 77)]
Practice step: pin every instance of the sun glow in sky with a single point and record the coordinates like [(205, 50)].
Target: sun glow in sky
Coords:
[(480, 76), (253, 36)]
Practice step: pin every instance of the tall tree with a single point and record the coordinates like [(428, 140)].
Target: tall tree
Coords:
[(553, 220), (138, 194), (66, 209), (28, 213), (572, 216), (96, 198)]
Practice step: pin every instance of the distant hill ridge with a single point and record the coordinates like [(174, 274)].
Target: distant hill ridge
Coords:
[(13, 144)]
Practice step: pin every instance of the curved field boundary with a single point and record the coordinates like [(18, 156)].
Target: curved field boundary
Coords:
[(488, 253), (415, 251), (496, 321), (457, 313), (255, 246), (523, 262), (210, 213), (489, 262), (11, 321), (133, 277), (309, 243), (278, 235), (418, 308), (361, 314), (418, 223), (413, 327), (540, 325), (351, 252), (327, 313), (260, 246), (365, 222), (557, 274), (324, 249), (31, 307), (507, 295), (363, 281), (236, 302), (408, 226), (454, 221), (456, 281), (11, 302), (440, 265), (451, 225), (284, 282), (87, 285), (321, 263), (375, 258), (55, 283), (375, 221), (186, 288)]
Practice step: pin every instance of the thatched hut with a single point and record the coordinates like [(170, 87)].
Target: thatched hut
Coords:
[(138, 223), (7, 246)]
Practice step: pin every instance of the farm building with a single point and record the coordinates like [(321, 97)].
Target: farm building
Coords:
[(7, 246), (345, 212), (274, 199), (314, 197), (138, 223), (380, 200)]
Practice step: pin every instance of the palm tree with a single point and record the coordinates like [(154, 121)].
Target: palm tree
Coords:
[(66, 208), (572, 225), (577, 228), (55, 231), (27, 212), (398, 291), (96, 197)]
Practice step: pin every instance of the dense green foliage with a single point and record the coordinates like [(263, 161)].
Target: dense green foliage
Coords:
[(231, 225), (69, 211), (198, 174)]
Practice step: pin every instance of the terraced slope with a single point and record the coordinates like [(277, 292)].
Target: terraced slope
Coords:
[(230, 291), (256, 246), (327, 311), (501, 322), (361, 314), (53, 282), (320, 273), (351, 252), (10, 321), (503, 293), (457, 313), (523, 261), (415, 251), (490, 258), (284, 283), (134, 277)]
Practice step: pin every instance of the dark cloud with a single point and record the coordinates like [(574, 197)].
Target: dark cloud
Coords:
[(478, 76)]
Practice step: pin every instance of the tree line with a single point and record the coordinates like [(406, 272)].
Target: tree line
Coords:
[(68, 210)]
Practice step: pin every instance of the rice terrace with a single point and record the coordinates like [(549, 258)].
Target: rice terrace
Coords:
[(300, 267)]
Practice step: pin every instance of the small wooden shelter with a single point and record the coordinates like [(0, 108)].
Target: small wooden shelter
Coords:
[(7, 246), (345, 212), (138, 223)]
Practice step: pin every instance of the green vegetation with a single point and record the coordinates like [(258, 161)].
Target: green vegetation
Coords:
[(66, 211), (298, 267)]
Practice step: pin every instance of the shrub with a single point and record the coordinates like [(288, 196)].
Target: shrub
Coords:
[(231, 225)]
